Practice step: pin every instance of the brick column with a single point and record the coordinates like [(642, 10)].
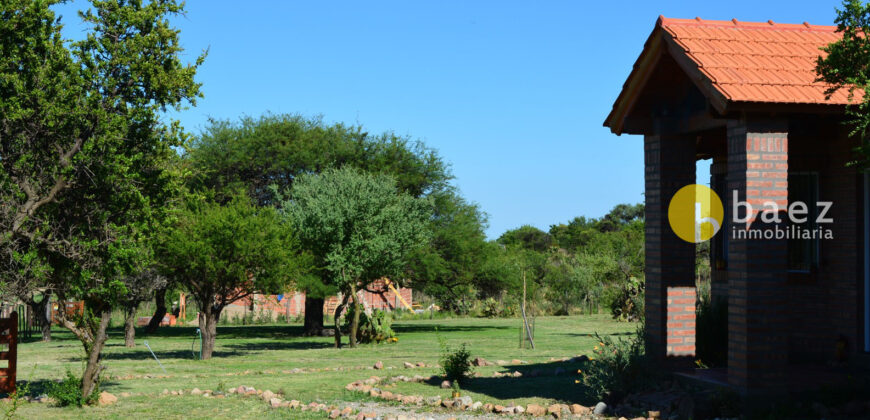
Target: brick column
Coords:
[(670, 261), (757, 268)]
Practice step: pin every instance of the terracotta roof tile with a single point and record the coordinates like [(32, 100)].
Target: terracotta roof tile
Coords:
[(757, 61)]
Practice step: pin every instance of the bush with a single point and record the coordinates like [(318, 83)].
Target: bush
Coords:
[(620, 367), (375, 328), (712, 332), (628, 303), (455, 363), (69, 392)]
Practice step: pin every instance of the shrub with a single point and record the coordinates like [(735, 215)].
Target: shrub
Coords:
[(376, 327), (712, 332), (619, 367), (69, 392), (455, 363), (628, 303)]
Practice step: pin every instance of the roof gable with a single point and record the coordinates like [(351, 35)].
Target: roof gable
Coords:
[(736, 63)]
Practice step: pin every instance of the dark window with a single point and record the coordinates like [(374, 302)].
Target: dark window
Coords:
[(803, 253)]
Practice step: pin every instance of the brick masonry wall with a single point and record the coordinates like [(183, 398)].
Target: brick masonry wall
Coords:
[(670, 261), (757, 306)]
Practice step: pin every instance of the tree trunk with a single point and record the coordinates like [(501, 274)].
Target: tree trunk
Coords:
[(313, 317), (159, 312), (42, 312), (130, 326), (337, 317), (208, 319), (354, 322), (93, 369)]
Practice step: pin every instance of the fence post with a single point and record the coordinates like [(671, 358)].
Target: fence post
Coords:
[(9, 335)]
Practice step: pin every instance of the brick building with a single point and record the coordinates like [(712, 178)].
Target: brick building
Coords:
[(378, 296), (744, 95)]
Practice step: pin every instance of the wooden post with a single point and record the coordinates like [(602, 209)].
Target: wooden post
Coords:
[(9, 337)]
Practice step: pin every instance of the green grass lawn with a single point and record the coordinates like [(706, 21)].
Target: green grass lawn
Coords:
[(262, 356)]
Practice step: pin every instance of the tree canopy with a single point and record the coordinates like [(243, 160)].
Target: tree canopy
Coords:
[(359, 228)]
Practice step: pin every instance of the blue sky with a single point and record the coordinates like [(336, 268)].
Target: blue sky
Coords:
[(512, 94)]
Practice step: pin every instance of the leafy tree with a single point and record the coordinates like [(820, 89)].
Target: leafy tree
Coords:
[(846, 65), (450, 267), (83, 145), (359, 228), (272, 150), (527, 237), (223, 253)]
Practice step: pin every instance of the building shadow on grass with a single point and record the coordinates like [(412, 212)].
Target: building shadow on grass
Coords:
[(538, 381)]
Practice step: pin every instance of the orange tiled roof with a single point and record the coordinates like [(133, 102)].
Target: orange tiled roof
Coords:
[(757, 62), (735, 63)]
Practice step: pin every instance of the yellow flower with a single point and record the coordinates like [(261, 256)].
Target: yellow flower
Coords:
[(576, 381), (579, 371), (602, 344), (595, 348)]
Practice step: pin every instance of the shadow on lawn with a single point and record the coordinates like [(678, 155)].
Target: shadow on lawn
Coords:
[(538, 381), (431, 328)]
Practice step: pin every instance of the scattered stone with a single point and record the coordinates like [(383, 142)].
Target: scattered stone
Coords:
[(555, 410), (445, 384), (465, 401), (267, 395), (127, 394), (479, 361), (334, 414), (536, 410), (501, 362), (379, 365), (447, 403), (519, 409), (476, 406), (579, 410), (488, 408), (165, 391), (421, 364), (433, 401), (275, 402), (346, 411), (517, 374), (408, 365), (600, 408), (654, 414), (195, 391), (107, 398)]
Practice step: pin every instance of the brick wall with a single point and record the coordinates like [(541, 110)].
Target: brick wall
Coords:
[(757, 268), (670, 261)]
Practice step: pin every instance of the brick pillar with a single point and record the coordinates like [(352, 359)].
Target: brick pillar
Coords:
[(670, 261), (757, 268)]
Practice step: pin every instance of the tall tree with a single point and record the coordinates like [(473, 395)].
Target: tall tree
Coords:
[(450, 268), (82, 145), (846, 65), (256, 154), (359, 228), (226, 252)]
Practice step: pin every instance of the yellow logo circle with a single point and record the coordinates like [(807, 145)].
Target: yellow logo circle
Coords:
[(695, 213)]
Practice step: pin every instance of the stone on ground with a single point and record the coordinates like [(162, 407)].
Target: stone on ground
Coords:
[(107, 398)]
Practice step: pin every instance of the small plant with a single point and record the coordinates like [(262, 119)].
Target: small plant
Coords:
[(221, 387), (455, 363), (69, 392), (15, 400), (455, 387), (374, 328), (619, 368)]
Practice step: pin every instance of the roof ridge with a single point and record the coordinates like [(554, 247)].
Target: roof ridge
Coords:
[(734, 23)]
